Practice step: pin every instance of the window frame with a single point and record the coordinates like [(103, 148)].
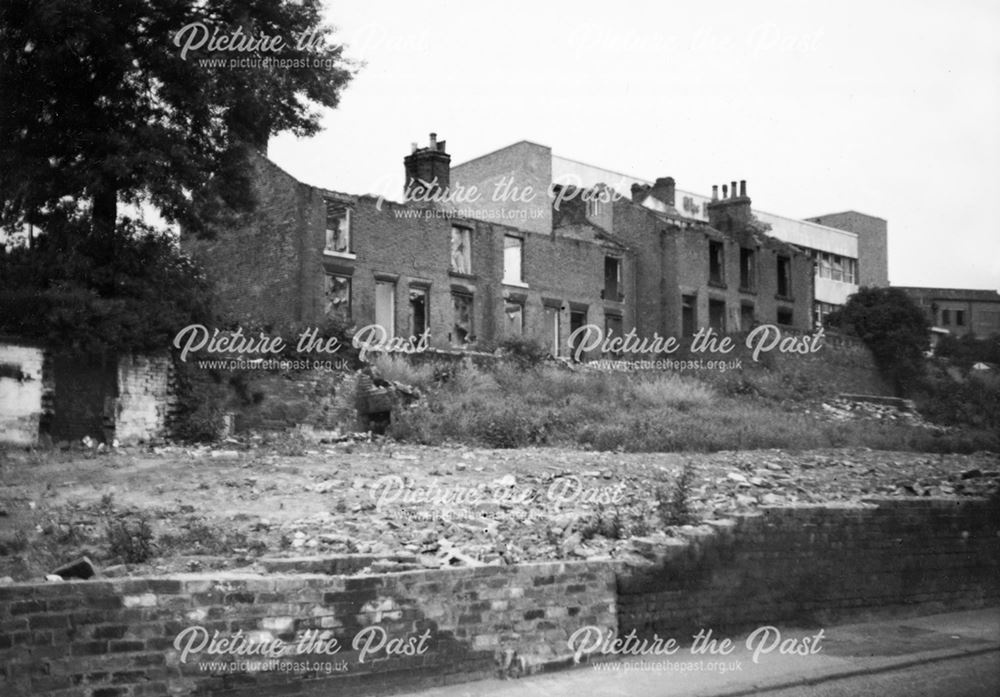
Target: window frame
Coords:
[(344, 213), (328, 308), (466, 249)]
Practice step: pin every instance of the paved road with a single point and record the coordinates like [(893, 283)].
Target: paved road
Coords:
[(972, 676)]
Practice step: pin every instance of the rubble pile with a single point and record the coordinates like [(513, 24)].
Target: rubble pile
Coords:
[(846, 407), (393, 507)]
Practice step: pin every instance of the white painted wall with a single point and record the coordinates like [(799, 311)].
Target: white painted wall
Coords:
[(20, 399)]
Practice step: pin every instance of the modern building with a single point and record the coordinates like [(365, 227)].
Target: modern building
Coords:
[(848, 249), (960, 311)]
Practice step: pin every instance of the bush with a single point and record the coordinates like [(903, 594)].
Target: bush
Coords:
[(201, 399), (131, 541), (526, 353), (893, 326)]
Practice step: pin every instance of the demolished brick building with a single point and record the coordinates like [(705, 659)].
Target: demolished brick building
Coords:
[(306, 254)]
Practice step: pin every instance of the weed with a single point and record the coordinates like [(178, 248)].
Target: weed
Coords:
[(14, 545), (674, 503), (131, 541)]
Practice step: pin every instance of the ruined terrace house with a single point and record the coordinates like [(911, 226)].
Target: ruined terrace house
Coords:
[(583, 258), (308, 253)]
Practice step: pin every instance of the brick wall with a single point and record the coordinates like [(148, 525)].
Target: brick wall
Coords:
[(47, 396), (817, 563), (144, 399), (20, 393), (523, 164), (116, 638), (84, 394), (255, 263)]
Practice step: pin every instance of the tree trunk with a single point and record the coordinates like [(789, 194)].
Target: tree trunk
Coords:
[(105, 211)]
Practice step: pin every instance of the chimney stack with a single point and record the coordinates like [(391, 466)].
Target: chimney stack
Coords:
[(663, 190), (639, 192), (428, 171), (732, 212)]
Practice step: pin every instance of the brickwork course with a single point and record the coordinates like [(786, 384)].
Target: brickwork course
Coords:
[(118, 637)]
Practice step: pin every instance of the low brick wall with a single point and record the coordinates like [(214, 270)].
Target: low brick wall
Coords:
[(816, 563), (117, 638)]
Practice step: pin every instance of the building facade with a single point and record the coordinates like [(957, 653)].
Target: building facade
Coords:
[(848, 251), (307, 254), (959, 311), (575, 257)]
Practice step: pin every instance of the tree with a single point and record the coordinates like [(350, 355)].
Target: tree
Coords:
[(93, 292), (893, 327), (100, 106)]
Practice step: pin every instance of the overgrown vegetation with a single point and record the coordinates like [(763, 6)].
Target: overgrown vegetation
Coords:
[(893, 327), (128, 290), (507, 406), (965, 351)]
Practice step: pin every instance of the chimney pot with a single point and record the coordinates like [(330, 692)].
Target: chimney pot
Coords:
[(715, 192), (725, 191), (743, 188), (434, 139), (413, 147), (733, 190)]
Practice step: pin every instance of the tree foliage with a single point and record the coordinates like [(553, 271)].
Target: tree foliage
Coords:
[(98, 105), (893, 327), (967, 350), (128, 290)]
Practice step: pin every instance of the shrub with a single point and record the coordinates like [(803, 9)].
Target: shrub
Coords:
[(526, 353), (674, 503), (893, 326), (130, 540), (200, 410)]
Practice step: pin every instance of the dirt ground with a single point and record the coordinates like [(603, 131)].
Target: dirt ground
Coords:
[(237, 503)]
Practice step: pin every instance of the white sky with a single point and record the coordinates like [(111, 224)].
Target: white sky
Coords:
[(888, 108)]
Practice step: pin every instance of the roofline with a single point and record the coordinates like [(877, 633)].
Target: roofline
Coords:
[(604, 169), (505, 147), (951, 290), (849, 210)]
